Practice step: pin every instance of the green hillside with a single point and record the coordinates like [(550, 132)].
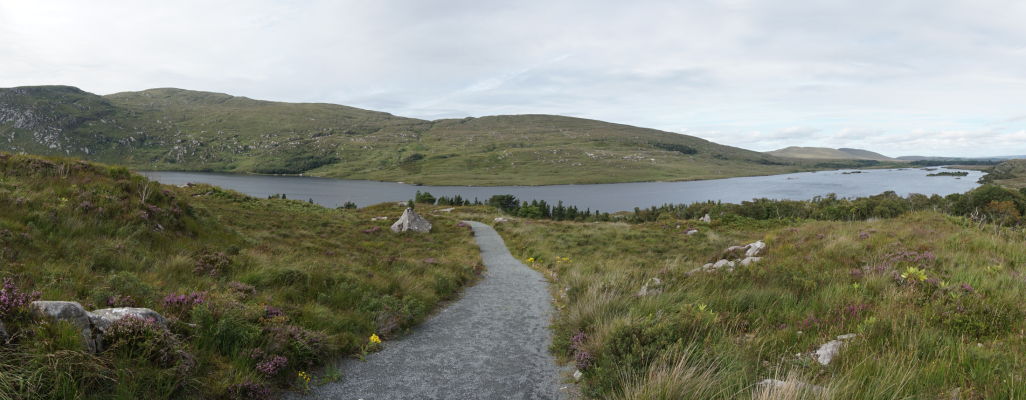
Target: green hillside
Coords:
[(174, 129), (242, 282), (825, 153), (1011, 173)]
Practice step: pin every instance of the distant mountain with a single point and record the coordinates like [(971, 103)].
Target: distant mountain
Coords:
[(825, 153), (927, 158), (175, 129)]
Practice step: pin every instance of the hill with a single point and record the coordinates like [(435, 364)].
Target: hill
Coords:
[(254, 290), (1011, 173), (175, 129), (825, 153)]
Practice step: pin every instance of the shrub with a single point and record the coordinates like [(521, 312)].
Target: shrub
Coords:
[(13, 301), (138, 338)]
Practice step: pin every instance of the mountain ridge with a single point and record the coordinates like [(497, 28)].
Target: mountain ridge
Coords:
[(180, 129), (827, 153)]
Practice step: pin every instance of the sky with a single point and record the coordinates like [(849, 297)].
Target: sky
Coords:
[(930, 77)]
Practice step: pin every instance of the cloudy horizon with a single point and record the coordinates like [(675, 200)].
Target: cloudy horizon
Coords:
[(934, 78)]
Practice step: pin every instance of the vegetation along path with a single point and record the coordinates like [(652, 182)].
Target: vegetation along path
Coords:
[(491, 344)]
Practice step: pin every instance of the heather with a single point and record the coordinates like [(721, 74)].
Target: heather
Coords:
[(254, 291)]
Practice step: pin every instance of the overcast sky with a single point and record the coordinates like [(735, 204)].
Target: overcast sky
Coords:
[(929, 77)]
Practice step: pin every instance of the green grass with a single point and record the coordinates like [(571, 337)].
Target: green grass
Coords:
[(174, 129), (278, 278), (715, 335)]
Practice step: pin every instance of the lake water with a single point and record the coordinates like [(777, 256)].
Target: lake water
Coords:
[(605, 197)]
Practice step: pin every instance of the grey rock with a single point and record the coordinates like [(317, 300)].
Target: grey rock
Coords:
[(69, 311), (749, 261), (410, 221), (378, 219), (723, 263), (690, 232), (755, 249), (653, 286), (500, 219), (578, 375), (706, 218), (829, 350), (447, 209), (102, 319)]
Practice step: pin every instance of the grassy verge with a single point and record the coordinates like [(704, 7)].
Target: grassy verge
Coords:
[(256, 291), (935, 302)]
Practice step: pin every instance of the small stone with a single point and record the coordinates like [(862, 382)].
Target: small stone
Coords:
[(750, 260), (755, 248), (691, 231), (706, 218), (653, 286), (847, 336), (723, 263), (578, 375), (500, 219), (826, 353), (378, 219)]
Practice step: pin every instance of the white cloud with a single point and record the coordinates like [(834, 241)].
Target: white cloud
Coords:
[(938, 77)]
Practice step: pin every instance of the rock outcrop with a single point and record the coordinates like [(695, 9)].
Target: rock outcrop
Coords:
[(410, 221), (706, 218), (92, 325), (733, 258), (69, 311), (831, 349)]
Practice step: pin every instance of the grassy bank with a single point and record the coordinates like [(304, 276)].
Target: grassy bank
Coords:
[(934, 299), (255, 290)]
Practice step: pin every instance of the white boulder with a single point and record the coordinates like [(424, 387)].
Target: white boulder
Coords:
[(755, 249), (829, 350), (410, 221)]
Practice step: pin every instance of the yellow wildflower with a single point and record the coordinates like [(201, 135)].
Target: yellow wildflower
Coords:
[(375, 339), (530, 259), (304, 376)]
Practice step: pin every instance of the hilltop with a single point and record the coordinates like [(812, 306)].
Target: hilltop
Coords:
[(175, 129), (825, 153)]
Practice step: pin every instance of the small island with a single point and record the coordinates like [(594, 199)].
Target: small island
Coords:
[(949, 173)]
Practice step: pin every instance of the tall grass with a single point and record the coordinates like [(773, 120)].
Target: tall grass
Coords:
[(951, 326), (242, 280)]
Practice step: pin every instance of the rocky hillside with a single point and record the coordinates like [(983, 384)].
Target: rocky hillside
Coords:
[(824, 153), (188, 130), (1011, 173)]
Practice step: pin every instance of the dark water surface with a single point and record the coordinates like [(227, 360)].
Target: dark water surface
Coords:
[(604, 197)]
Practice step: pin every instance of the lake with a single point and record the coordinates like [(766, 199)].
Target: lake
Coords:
[(603, 197)]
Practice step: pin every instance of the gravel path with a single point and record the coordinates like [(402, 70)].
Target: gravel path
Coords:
[(491, 344)]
